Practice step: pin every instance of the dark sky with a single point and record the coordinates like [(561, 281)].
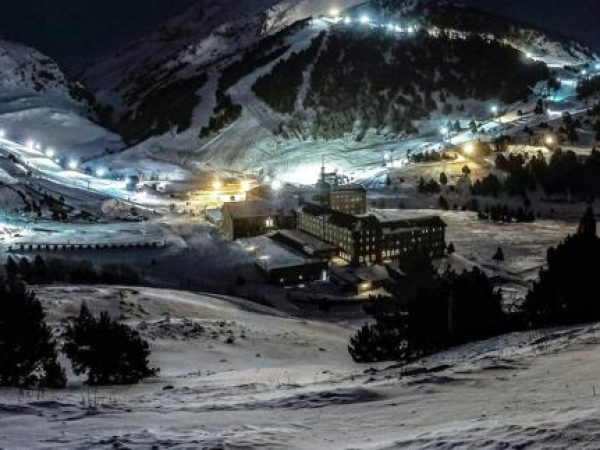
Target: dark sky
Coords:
[(75, 32), (576, 18)]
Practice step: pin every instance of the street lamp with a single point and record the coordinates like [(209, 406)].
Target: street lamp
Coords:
[(276, 185), (100, 172), (50, 153), (549, 140), (469, 148), (73, 164), (364, 19), (494, 110)]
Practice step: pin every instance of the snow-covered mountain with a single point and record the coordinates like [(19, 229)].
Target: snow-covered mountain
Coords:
[(38, 103), (231, 84)]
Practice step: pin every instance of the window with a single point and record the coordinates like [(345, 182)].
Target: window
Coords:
[(269, 223)]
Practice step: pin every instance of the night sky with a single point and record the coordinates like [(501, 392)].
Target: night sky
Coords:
[(75, 32)]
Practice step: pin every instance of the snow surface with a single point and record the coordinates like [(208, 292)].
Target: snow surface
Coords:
[(290, 383), (37, 103)]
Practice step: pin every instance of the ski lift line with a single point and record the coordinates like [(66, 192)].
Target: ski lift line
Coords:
[(366, 20)]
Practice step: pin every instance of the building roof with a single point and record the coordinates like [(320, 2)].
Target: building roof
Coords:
[(359, 275), (247, 209), (349, 188), (271, 255), (373, 220), (303, 241)]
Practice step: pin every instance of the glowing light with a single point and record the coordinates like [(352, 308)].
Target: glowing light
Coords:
[(549, 140), (246, 186), (597, 66), (584, 72), (30, 144), (217, 185), (364, 19), (73, 164), (37, 146), (391, 26), (100, 172), (469, 148), (494, 109), (444, 130), (2, 134), (411, 29), (529, 55), (50, 153), (276, 185), (334, 12), (347, 20)]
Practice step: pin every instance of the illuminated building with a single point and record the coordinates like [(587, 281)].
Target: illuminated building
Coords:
[(252, 218), (370, 239)]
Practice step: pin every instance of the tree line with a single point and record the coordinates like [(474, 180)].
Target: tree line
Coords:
[(56, 270), (101, 348), (565, 174), (430, 312), (366, 79)]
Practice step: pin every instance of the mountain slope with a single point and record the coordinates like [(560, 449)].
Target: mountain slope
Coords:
[(230, 86), (235, 374), (39, 103)]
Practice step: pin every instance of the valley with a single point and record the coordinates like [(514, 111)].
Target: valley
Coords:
[(253, 187)]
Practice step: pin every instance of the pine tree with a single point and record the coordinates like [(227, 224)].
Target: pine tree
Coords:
[(587, 224), (443, 203), (568, 290), (27, 350), (25, 269), (39, 270), (451, 249), (499, 255), (12, 269), (443, 179), (107, 351)]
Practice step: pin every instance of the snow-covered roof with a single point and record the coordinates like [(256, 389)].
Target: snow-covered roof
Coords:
[(270, 254), (383, 219), (308, 243), (359, 275), (255, 208)]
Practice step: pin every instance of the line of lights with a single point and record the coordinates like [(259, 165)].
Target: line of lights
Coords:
[(365, 19)]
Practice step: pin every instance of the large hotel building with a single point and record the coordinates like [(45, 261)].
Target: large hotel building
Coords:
[(339, 217)]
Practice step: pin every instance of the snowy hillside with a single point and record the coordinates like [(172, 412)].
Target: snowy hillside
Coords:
[(230, 85), (239, 375), (38, 103)]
